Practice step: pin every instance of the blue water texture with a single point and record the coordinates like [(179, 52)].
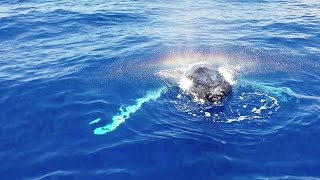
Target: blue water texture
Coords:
[(80, 95)]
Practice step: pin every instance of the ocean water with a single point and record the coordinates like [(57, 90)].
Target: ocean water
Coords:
[(84, 93)]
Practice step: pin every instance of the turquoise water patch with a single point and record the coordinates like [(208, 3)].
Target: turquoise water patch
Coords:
[(125, 112), (281, 92)]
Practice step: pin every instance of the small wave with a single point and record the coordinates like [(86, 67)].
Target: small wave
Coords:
[(55, 174)]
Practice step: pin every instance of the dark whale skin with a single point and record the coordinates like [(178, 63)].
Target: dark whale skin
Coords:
[(208, 84)]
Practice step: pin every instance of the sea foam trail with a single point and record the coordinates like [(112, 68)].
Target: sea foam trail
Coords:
[(125, 112)]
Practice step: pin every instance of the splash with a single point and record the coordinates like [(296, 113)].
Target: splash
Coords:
[(185, 83), (175, 66), (228, 74), (259, 103), (125, 112), (178, 77)]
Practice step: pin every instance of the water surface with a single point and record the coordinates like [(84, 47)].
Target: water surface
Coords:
[(64, 64)]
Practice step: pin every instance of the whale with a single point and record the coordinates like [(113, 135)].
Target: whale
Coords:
[(208, 84)]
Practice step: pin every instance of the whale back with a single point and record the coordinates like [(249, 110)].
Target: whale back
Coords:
[(204, 76)]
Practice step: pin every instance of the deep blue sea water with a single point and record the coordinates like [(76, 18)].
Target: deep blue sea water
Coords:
[(65, 63)]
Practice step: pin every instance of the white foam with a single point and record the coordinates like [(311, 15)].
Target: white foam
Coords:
[(185, 83), (240, 118), (258, 110), (228, 74)]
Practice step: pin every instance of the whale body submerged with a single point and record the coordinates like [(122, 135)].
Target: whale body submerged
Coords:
[(208, 84)]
